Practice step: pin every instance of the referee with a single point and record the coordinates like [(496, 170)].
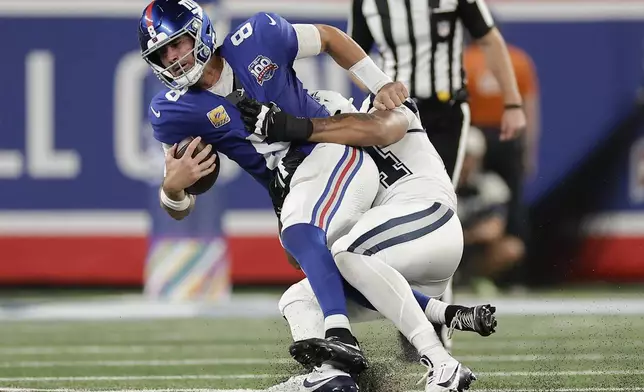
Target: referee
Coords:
[(421, 44)]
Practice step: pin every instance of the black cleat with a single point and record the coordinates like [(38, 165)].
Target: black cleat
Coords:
[(479, 319), (314, 352)]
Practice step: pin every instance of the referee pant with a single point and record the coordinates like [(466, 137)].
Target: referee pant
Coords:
[(447, 125)]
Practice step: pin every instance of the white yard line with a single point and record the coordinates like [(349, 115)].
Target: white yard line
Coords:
[(545, 343), (564, 373), (507, 343), (147, 363), (273, 376), (129, 349), (137, 378), (259, 361), (265, 307)]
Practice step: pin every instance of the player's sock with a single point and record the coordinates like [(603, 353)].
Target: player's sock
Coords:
[(389, 292), (436, 311), (427, 343), (302, 312), (307, 244)]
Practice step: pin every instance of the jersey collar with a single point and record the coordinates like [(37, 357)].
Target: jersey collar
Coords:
[(224, 85)]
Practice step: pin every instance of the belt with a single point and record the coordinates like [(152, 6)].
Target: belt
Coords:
[(444, 98)]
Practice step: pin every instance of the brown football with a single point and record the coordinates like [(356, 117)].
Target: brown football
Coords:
[(204, 183)]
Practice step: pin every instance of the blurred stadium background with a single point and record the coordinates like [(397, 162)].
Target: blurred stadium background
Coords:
[(82, 236)]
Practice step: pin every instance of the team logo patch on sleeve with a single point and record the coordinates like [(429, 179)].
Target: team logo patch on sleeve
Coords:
[(262, 68), (218, 116)]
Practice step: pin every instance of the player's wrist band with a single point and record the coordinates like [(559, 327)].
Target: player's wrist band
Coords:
[(294, 129), (513, 106), (368, 73), (411, 117), (180, 205)]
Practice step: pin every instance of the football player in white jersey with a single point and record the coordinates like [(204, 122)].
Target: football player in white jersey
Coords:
[(410, 236)]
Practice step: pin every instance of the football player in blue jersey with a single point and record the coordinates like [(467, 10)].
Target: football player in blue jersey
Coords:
[(333, 184)]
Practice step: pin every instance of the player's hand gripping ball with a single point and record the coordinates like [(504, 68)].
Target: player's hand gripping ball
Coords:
[(192, 165)]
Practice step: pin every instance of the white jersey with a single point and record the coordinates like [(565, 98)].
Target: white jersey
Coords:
[(411, 169)]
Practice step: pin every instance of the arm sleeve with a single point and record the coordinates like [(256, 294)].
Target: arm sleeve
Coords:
[(309, 42)]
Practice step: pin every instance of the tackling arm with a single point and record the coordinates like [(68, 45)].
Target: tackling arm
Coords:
[(379, 128), (344, 50)]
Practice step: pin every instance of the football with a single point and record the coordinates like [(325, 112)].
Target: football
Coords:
[(204, 183)]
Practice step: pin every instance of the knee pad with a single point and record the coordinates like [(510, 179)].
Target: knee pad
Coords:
[(299, 292)]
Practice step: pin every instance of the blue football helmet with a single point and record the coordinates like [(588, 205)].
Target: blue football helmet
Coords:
[(164, 21)]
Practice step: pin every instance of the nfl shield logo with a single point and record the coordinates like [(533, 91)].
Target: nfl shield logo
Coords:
[(636, 169), (443, 28), (262, 68)]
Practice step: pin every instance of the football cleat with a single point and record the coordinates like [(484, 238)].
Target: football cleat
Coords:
[(314, 352), (448, 376), (479, 319), (329, 380), (293, 384)]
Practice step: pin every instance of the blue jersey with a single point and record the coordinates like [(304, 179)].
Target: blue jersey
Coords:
[(261, 52)]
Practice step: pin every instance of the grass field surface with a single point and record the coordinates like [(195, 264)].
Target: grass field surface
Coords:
[(528, 353)]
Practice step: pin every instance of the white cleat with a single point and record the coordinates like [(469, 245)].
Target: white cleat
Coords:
[(321, 379), (329, 379), (293, 384), (448, 376)]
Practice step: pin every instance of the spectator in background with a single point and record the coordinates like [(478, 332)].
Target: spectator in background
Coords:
[(483, 200), (513, 159)]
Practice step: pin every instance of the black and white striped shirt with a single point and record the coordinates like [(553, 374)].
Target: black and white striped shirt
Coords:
[(420, 41)]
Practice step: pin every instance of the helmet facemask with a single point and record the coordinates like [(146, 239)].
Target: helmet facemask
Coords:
[(185, 77)]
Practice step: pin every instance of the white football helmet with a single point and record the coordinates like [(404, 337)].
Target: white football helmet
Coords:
[(334, 102)]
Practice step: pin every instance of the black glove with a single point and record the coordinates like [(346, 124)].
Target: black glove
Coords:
[(280, 185), (269, 120)]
